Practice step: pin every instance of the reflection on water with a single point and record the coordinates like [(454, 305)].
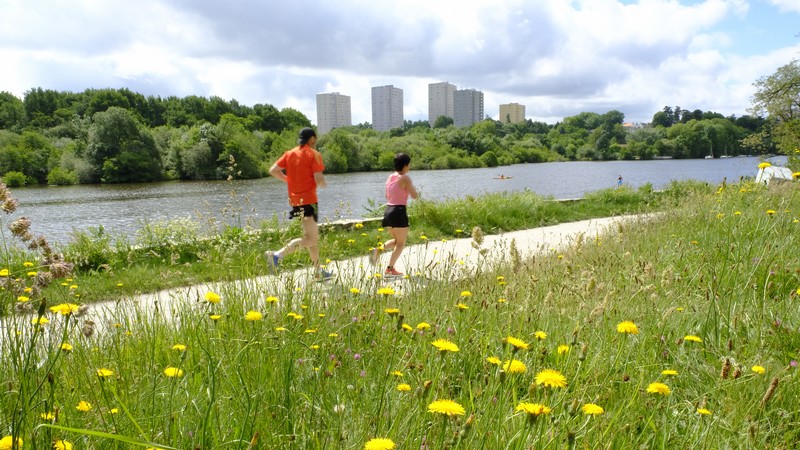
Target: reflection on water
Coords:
[(57, 211)]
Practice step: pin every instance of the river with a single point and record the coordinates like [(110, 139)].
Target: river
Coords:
[(122, 209)]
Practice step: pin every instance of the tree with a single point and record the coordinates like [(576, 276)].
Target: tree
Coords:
[(12, 111), (442, 122), (120, 151), (778, 96)]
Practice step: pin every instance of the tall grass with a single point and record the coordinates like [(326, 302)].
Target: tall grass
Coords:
[(711, 287)]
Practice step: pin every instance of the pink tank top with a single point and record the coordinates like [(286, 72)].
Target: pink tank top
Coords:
[(395, 195)]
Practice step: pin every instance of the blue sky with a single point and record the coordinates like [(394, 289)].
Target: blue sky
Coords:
[(556, 57)]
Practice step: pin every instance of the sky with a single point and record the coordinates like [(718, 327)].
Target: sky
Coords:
[(557, 57)]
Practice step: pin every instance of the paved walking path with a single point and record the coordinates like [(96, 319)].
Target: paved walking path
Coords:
[(440, 260)]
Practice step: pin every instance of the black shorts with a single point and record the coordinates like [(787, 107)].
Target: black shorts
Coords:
[(304, 211), (395, 216)]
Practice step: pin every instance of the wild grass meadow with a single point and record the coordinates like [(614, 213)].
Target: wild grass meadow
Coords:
[(675, 331)]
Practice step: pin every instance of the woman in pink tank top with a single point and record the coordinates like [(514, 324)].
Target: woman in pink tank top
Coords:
[(398, 188)]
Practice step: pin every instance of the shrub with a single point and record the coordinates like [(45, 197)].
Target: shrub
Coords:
[(62, 177), (15, 179)]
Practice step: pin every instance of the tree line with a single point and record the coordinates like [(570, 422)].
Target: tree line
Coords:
[(117, 136)]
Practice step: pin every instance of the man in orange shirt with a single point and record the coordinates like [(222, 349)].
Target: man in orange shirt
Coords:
[(301, 169)]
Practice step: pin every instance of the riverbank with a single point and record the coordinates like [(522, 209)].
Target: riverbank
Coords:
[(672, 331)]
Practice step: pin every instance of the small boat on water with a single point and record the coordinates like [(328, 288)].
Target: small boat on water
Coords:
[(502, 177)]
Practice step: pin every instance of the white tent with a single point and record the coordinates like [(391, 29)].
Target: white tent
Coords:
[(768, 173)]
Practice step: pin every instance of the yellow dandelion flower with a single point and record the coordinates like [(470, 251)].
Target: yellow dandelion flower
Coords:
[(114, 410), (770, 212), (7, 443), (104, 373), (403, 387), (179, 347), (627, 327), (65, 309), (392, 311), (40, 321), (703, 412), (764, 165), (501, 300), (215, 317), (23, 299), (66, 347), (3, 272), (517, 343), (658, 388), (295, 316), (462, 306), (379, 444), (386, 290), (423, 237), (795, 175), (351, 241), (669, 372), (590, 409), (550, 378), (280, 329), (758, 369), (515, 366), (310, 331), (444, 345), (84, 406), (407, 327), (333, 335), (27, 264), (540, 335), (737, 213), (33, 273), (533, 409), (173, 372), (692, 338), (314, 347), (493, 360), (253, 316), (47, 416), (423, 326), (355, 290), (212, 297), (466, 294), (446, 407), (563, 349), (271, 299), (62, 445)]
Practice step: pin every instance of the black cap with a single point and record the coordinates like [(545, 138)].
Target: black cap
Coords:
[(305, 135)]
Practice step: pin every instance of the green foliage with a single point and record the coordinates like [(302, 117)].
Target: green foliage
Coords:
[(15, 179), (61, 177)]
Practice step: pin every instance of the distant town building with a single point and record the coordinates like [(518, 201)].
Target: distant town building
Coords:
[(333, 111), (512, 113), (468, 105), (387, 108), (440, 101)]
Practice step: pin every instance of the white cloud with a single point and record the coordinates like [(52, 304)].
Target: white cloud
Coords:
[(787, 5), (557, 57)]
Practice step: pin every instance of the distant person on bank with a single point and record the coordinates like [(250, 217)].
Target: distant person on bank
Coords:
[(398, 188), (301, 169)]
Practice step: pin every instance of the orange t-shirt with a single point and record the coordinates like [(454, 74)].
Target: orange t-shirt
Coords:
[(300, 163)]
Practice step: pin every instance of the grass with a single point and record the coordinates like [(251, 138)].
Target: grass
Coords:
[(184, 252), (710, 286)]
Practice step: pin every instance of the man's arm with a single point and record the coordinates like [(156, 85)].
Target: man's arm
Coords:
[(320, 180), (277, 172)]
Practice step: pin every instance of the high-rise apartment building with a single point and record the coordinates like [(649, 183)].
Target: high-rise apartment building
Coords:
[(440, 101), (512, 113), (387, 108), (333, 111), (468, 104)]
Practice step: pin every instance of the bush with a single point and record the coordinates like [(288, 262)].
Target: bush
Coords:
[(15, 179), (62, 177)]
